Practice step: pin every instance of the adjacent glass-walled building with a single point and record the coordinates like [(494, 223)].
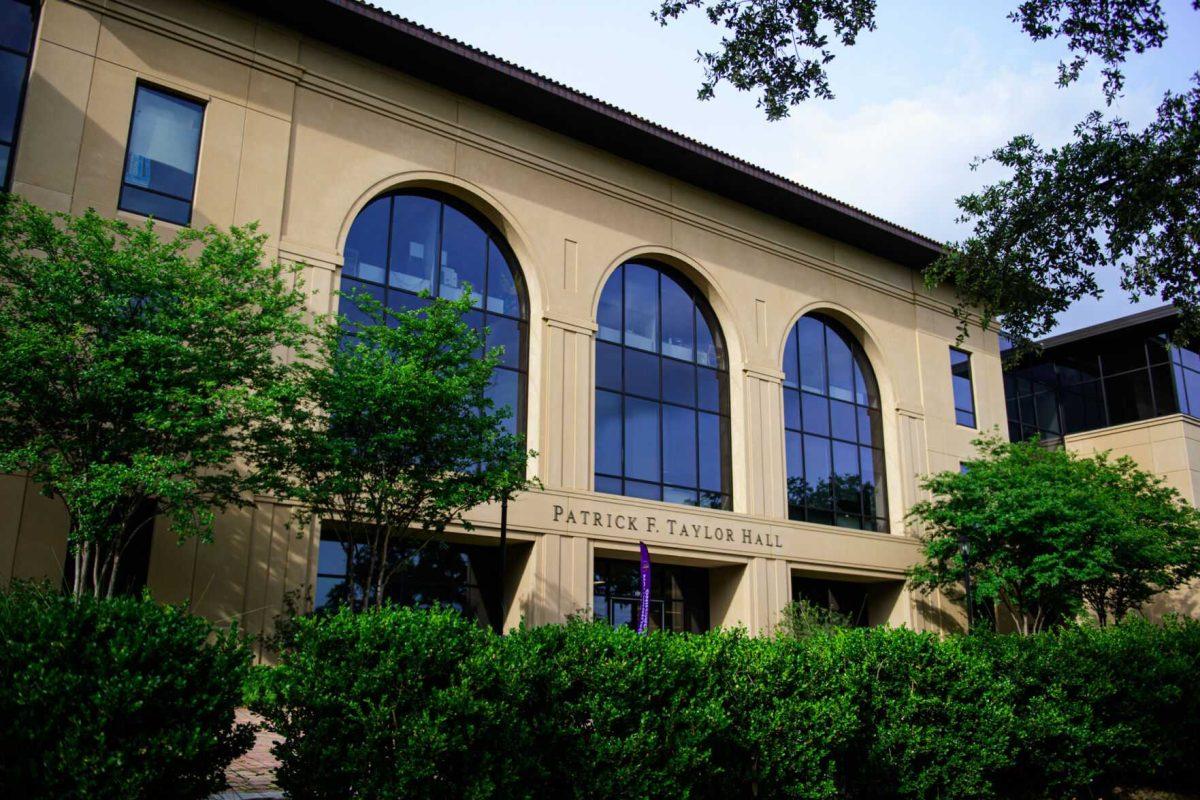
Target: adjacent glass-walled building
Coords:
[(1102, 376)]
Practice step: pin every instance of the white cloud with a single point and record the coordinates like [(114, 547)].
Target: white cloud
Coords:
[(907, 159)]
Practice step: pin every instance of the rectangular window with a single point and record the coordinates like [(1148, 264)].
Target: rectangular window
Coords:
[(964, 396), (17, 24), (161, 157)]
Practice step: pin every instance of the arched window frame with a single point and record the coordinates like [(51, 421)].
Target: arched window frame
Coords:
[(827, 423), (501, 325), (617, 360)]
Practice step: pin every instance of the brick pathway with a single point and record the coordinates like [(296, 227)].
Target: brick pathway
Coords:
[(252, 777)]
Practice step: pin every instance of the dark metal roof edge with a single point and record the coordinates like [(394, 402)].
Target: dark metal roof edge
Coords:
[(1110, 326), (894, 241)]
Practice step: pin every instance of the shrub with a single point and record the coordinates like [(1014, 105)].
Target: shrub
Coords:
[(115, 698), (424, 704)]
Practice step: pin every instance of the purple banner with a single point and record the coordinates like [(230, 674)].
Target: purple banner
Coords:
[(644, 613)]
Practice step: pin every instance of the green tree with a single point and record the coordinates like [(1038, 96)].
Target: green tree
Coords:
[(1050, 531), (137, 372), (396, 437), (1113, 198)]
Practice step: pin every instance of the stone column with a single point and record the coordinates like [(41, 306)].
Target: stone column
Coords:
[(912, 462), (567, 393), (764, 459)]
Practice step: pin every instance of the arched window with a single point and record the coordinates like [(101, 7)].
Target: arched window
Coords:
[(835, 469), (662, 391), (404, 243)]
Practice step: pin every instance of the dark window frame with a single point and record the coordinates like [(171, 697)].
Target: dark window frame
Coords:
[(494, 236), (959, 411), (833, 516), (705, 498), (191, 201), (22, 93)]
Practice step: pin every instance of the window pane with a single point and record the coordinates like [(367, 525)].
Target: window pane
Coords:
[(641, 307), (641, 373), (676, 494), (796, 488), (415, 223), (816, 414), (811, 333), (791, 367), (865, 391), (503, 392), (960, 380), (16, 25), (706, 346), (841, 367), (349, 308), (608, 366), (867, 461), (869, 427), (713, 436), (1192, 385), (679, 382), (1082, 408), (12, 76), (818, 465), (1164, 389), (679, 446), (609, 313), (366, 245), (608, 433), (677, 314), (164, 141), (464, 256), (710, 389), (1128, 397), (1122, 355), (503, 297), (149, 204), (847, 478), (844, 420), (608, 485), (5, 152), (506, 333), (791, 409), (646, 491), (642, 446), (331, 557)]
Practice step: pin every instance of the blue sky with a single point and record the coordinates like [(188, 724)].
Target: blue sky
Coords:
[(938, 83)]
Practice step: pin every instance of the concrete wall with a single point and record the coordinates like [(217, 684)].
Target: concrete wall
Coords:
[(299, 137), (1170, 448)]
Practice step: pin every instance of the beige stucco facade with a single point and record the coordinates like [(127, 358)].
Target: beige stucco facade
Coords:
[(300, 136), (1170, 448)]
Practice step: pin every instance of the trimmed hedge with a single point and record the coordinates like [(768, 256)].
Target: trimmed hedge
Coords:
[(115, 698), (415, 704)]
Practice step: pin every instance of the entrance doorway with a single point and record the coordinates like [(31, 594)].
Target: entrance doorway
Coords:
[(678, 595)]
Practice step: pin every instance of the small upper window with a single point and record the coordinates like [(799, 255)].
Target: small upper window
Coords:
[(160, 161), (17, 23), (964, 397)]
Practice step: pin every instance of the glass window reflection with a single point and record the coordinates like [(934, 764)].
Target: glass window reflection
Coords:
[(834, 444), (662, 399), (406, 244), (159, 178)]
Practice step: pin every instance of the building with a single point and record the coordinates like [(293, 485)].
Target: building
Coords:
[(1117, 387), (746, 375)]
